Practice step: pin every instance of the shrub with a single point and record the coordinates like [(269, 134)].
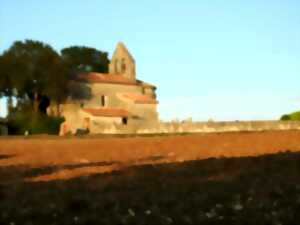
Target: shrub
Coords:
[(293, 116), (285, 117), (34, 123)]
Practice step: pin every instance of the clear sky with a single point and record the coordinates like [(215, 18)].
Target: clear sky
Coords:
[(225, 60)]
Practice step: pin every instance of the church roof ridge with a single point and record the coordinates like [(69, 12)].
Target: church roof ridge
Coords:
[(95, 77)]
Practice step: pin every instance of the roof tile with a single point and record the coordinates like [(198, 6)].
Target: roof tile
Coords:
[(106, 78), (94, 77)]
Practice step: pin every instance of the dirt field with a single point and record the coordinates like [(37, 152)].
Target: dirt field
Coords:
[(72, 157), (50, 180)]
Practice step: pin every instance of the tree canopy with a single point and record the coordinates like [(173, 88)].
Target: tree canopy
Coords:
[(33, 70), (30, 67), (35, 74), (85, 59), (295, 116)]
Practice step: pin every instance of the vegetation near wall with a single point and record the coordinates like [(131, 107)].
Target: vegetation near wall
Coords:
[(34, 123), (293, 116)]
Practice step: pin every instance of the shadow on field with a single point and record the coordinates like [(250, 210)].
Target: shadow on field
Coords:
[(11, 174), (248, 190), (6, 156)]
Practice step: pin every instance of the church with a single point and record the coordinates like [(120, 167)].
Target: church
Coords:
[(119, 102)]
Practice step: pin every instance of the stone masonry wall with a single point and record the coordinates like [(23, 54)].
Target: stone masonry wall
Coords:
[(206, 127), (198, 127)]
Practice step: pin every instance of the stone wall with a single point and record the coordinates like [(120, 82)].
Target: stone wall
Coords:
[(122, 62), (141, 115), (206, 127), (111, 91), (203, 127)]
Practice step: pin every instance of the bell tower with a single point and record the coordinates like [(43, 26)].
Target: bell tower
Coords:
[(122, 62)]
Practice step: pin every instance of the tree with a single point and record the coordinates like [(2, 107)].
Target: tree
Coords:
[(285, 117), (295, 116), (79, 91), (33, 69), (6, 81), (7, 68), (85, 59), (57, 82)]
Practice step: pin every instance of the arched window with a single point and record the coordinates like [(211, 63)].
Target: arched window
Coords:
[(124, 120), (123, 66), (116, 66)]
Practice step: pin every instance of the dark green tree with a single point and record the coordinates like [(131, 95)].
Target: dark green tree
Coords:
[(33, 69), (79, 91), (285, 117), (8, 66), (85, 59)]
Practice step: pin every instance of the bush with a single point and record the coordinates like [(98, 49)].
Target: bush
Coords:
[(293, 116), (34, 123), (285, 117)]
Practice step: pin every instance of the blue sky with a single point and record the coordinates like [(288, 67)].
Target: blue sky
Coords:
[(225, 60)]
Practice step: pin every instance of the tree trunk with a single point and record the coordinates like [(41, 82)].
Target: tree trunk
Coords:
[(36, 102), (9, 104), (57, 109)]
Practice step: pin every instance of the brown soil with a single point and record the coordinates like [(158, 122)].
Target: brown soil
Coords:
[(73, 157), (109, 185)]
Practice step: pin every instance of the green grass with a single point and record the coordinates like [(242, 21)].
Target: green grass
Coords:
[(248, 190)]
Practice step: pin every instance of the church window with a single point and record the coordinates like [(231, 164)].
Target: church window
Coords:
[(124, 120), (123, 66), (116, 66), (104, 100)]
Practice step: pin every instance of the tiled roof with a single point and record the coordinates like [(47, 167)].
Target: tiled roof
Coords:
[(94, 77), (107, 112), (106, 78), (144, 84), (140, 99)]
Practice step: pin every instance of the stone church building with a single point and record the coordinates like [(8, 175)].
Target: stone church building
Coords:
[(119, 101)]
